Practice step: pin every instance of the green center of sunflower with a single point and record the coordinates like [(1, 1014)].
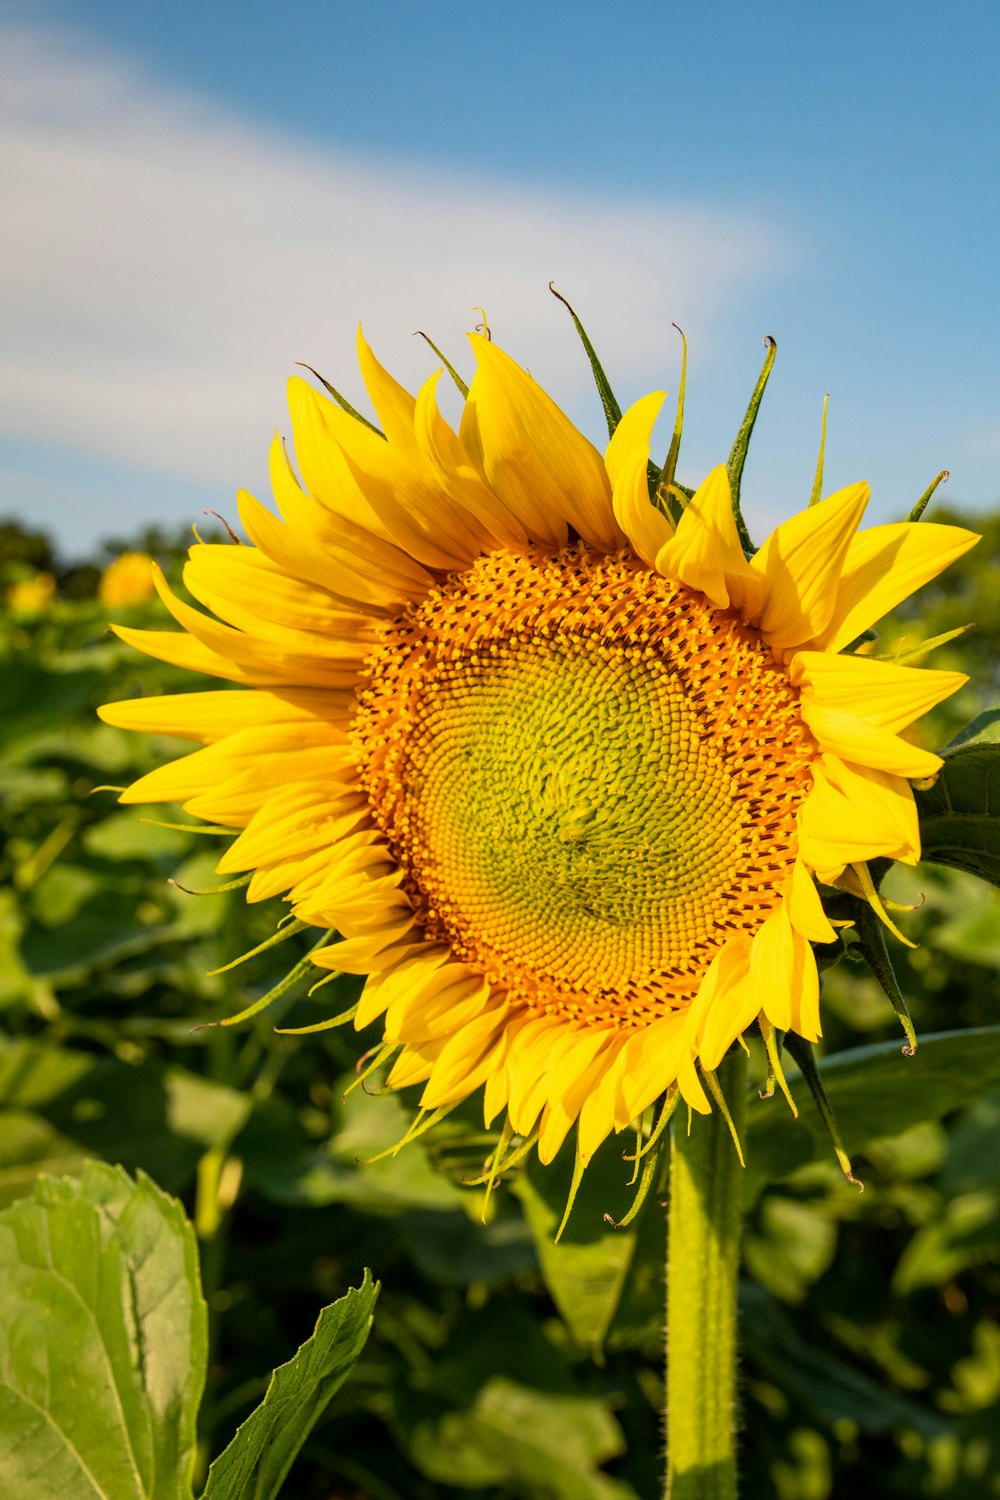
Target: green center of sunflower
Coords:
[(588, 775)]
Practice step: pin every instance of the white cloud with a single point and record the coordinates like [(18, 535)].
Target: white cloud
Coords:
[(164, 263)]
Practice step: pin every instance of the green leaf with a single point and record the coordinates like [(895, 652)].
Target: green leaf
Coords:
[(59, 1106), (286, 1167), (960, 814), (829, 1388), (875, 1092), (587, 1271), (102, 1341), (966, 1233), (499, 1407), (259, 1457), (788, 1245), (34, 698)]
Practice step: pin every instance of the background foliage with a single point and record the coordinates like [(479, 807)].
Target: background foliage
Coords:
[(497, 1365)]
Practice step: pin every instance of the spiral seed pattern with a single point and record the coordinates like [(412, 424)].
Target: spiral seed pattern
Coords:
[(588, 774)]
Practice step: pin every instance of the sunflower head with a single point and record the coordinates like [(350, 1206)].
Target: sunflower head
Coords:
[(559, 766)]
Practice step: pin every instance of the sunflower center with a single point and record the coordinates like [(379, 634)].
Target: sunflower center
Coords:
[(588, 775)]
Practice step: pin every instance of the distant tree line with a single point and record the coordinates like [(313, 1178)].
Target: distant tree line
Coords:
[(25, 550)]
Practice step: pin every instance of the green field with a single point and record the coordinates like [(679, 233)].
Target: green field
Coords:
[(498, 1365)]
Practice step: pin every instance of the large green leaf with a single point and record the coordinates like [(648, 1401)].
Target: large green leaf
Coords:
[(587, 1271), (102, 1341), (499, 1408), (960, 814), (829, 1389), (59, 1106), (875, 1092), (35, 698), (284, 1165), (965, 1233), (257, 1460)]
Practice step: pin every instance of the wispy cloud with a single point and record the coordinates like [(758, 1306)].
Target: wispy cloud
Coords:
[(164, 263)]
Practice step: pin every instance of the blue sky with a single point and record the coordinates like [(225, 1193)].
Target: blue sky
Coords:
[(203, 194)]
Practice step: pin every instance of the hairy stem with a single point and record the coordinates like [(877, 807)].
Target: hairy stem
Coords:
[(706, 1191)]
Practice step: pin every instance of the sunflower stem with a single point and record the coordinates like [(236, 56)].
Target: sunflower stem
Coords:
[(706, 1190)]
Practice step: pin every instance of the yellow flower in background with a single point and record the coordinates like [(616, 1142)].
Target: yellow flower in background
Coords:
[(562, 776), (30, 596), (127, 580)]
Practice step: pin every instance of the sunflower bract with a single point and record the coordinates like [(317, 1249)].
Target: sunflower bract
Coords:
[(562, 777)]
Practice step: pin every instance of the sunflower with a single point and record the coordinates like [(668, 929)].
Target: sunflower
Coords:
[(560, 773)]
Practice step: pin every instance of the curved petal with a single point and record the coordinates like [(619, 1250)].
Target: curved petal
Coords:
[(857, 740), (783, 966), (393, 404), (885, 565), (442, 450), (633, 434), (880, 692), (543, 469), (646, 528), (805, 909), (801, 562), (854, 813), (705, 552), (210, 716)]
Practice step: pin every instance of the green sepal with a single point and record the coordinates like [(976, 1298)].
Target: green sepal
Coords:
[(817, 489), (871, 934), (341, 401), (669, 469), (456, 377), (960, 813), (612, 411), (801, 1051), (925, 498), (287, 928), (738, 456)]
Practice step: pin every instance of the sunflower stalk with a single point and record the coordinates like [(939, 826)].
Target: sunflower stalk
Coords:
[(706, 1189)]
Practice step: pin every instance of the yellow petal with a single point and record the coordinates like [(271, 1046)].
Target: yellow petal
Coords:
[(854, 813), (730, 1004), (392, 402), (442, 1010), (297, 820), (465, 1059), (211, 716), (651, 1064), (880, 692), (408, 976), (241, 586), (801, 563), (377, 950), (597, 1115), (442, 450), (705, 552), (543, 469), (182, 650), (865, 744), (885, 565), (626, 459), (413, 1065), (805, 909), (325, 472), (396, 491), (304, 669), (633, 434), (783, 966)]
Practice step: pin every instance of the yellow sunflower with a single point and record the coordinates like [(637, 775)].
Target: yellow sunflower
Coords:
[(560, 774)]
